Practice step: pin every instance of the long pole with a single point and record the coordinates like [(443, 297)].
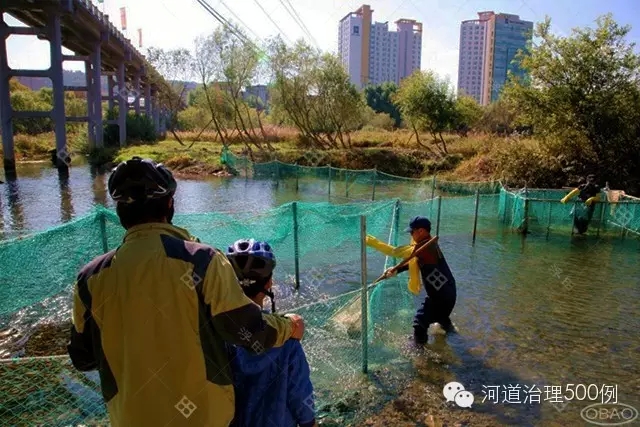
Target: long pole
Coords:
[(475, 216), (294, 207), (363, 296), (438, 220)]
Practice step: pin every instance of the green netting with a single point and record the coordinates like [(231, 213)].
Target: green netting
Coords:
[(338, 183), (37, 272), (540, 210)]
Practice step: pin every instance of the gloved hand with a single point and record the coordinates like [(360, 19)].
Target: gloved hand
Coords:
[(298, 325), (390, 272), (590, 201)]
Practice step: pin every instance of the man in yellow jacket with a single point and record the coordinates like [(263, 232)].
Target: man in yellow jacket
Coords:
[(438, 280), (589, 193), (154, 316)]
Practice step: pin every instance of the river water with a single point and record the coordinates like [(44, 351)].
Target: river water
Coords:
[(531, 312)]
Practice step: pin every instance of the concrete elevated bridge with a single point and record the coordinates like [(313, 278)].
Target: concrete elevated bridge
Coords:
[(80, 27)]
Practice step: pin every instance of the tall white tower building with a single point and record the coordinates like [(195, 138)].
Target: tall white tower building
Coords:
[(372, 54)]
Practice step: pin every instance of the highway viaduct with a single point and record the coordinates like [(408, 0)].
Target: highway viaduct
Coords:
[(80, 27)]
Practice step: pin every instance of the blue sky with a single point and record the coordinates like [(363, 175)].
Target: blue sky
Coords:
[(175, 23)]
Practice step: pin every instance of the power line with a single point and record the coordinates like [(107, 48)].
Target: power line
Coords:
[(227, 25), (240, 20), (272, 21), (298, 20)]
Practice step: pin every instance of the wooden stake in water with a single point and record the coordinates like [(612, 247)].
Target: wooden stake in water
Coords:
[(294, 207), (475, 216), (364, 298)]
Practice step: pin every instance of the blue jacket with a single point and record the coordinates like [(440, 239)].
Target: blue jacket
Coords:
[(273, 388)]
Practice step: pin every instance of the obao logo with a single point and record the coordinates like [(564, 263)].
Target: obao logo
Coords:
[(609, 414)]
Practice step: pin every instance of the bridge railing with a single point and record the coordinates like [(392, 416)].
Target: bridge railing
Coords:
[(104, 20)]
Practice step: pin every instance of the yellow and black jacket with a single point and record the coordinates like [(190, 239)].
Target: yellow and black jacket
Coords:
[(154, 318)]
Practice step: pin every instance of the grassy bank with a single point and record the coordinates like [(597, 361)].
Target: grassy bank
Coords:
[(474, 158)]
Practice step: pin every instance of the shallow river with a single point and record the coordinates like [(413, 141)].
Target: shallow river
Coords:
[(531, 312)]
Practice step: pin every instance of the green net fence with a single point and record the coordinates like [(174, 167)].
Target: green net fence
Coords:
[(319, 250), (367, 184), (540, 210)]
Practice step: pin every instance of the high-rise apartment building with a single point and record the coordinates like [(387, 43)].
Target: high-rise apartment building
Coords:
[(488, 47), (372, 54)]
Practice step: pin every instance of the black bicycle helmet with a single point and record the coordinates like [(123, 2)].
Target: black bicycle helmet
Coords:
[(140, 179), (253, 262)]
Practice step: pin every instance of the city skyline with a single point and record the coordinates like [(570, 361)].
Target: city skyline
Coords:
[(175, 24)]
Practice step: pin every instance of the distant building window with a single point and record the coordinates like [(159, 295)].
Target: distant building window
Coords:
[(356, 29)]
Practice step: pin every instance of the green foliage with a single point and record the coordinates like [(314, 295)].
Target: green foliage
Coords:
[(313, 92), (380, 99), (427, 103), (382, 121), (140, 128), (24, 99), (498, 118), (585, 89), (467, 114)]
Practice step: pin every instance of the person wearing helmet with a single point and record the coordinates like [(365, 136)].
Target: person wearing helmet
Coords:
[(155, 315), (272, 388), (589, 193), (437, 278)]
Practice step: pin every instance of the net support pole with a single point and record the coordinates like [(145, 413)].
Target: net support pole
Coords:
[(297, 177), (346, 184), (277, 173), (375, 175), (396, 225), (573, 219), (364, 298), (433, 187), (525, 222), (433, 193), (475, 215), (549, 221), (329, 190), (601, 223), (103, 232), (438, 218), (296, 251)]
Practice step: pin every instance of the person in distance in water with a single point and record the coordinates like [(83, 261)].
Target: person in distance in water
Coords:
[(437, 278), (154, 315), (272, 388), (589, 194)]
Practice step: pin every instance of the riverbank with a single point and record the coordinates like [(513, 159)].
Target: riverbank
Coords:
[(473, 158)]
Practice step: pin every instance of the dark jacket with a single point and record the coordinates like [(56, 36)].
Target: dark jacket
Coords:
[(273, 388), (437, 277)]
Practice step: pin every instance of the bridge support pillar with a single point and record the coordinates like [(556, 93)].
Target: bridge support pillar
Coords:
[(59, 117), (136, 88), (110, 85), (147, 99), (123, 104), (155, 112), (96, 90), (6, 112), (91, 135)]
